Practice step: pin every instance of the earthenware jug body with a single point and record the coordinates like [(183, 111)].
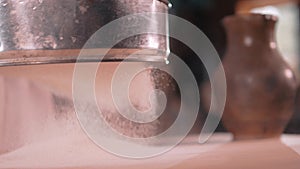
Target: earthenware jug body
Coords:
[(261, 86)]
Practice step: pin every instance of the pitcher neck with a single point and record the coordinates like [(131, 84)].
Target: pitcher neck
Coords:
[(250, 31)]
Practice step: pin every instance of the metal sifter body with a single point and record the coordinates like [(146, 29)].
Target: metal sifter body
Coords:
[(54, 31)]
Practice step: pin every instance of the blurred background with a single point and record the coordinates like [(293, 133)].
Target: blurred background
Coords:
[(208, 14)]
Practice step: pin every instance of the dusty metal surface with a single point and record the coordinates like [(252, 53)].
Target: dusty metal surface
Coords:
[(67, 24)]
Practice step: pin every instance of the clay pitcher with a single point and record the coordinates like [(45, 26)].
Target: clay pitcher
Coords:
[(261, 85)]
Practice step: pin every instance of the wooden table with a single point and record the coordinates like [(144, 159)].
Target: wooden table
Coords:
[(73, 151)]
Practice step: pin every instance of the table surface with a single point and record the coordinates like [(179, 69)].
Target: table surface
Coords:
[(220, 151)]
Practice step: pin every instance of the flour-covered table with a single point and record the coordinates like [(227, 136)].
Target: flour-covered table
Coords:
[(74, 151)]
